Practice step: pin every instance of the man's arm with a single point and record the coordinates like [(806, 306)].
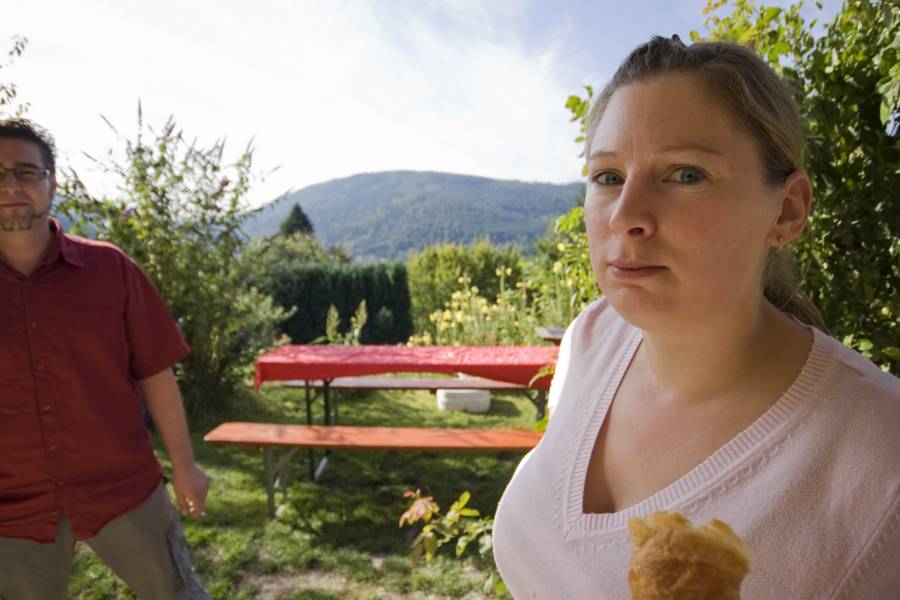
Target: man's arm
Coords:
[(163, 399)]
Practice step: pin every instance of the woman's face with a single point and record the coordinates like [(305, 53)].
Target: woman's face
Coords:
[(678, 215)]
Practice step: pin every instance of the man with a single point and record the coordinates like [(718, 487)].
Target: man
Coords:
[(84, 338)]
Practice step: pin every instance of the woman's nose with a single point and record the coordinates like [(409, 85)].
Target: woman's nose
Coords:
[(632, 213)]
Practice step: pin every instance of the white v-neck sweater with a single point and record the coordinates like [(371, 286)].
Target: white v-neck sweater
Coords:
[(813, 485)]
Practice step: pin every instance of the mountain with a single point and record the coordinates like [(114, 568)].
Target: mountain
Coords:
[(387, 215)]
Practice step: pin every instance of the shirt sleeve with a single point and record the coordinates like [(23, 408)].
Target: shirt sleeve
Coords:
[(154, 340), (562, 368)]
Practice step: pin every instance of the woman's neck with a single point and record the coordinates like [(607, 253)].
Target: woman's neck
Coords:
[(751, 354)]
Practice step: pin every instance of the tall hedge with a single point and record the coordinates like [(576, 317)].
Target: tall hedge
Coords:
[(313, 287)]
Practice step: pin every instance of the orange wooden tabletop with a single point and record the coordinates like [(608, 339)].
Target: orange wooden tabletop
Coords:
[(375, 438)]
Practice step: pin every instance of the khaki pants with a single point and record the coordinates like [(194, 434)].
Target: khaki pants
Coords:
[(145, 547)]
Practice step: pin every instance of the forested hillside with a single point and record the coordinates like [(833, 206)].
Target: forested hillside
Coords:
[(387, 215)]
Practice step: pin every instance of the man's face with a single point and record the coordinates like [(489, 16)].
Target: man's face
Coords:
[(24, 205)]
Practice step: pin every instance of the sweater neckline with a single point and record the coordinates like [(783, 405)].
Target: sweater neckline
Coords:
[(745, 445)]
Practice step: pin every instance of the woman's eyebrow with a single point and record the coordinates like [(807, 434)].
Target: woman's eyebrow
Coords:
[(601, 154), (691, 147), (687, 147)]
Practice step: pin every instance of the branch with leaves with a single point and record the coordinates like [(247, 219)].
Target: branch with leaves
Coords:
[(8, 91), (460, 523)]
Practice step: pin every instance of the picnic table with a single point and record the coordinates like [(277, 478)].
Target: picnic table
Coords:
[(550, 334), (321, 367), (514, 364), (317, 367)]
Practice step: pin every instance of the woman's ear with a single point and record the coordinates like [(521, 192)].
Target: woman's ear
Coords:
[(795, 198)]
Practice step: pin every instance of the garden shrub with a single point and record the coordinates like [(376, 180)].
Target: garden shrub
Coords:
[(435, 271), (847, 85), (178, 213), (560, 276), (469, 318)]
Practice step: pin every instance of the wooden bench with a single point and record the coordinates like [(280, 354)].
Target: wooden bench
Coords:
[(539, 399), (550, 334), (270, 436)]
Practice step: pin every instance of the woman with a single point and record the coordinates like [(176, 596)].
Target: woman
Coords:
[(702, 382)]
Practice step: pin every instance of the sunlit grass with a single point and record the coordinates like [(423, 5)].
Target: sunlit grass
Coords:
[(343, 527)]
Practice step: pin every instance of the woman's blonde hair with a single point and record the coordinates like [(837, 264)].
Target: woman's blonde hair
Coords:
[(759, 102)]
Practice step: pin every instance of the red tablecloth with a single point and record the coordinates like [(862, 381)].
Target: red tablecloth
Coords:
[(516, 364)]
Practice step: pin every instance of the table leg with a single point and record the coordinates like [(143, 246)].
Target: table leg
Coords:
[(540, 402), (276, 475), (270, 480), (312, 452), (321, 468), (326, 395)]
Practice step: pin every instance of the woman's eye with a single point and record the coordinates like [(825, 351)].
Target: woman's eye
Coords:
[(688, 175), (608, 178)]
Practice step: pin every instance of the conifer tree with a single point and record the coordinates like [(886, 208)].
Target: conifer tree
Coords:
[(296, 222)]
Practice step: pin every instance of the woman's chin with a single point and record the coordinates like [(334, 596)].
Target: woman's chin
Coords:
[(641, 308)]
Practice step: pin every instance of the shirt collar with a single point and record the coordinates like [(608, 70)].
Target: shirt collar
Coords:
[(62, 245)]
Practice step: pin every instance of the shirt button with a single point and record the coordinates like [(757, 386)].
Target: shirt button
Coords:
[(52, 447), (46, 408), (34, 324), (39, 367), (54, 514)]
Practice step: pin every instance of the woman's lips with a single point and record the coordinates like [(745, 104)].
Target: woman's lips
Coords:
[(623, 271)]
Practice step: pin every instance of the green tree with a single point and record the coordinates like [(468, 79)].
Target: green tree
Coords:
[(178, 213), (847, 85), (296, 222), (261, 256)]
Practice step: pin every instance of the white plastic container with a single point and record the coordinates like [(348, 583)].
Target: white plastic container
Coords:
[(473, 401)]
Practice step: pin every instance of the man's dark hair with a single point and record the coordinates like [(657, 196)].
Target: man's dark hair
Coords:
[(23, 129)]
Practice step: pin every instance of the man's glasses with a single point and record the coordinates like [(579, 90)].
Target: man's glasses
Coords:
[(25, 174)]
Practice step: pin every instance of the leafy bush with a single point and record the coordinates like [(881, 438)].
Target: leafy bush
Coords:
[(260, 257), (435, 271), (352, 336), (561, 277), (469, 318), (462, 524), (178, 213), (558, 284), (847, 84)]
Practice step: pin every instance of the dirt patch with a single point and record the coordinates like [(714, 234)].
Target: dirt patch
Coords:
[(278, 587)]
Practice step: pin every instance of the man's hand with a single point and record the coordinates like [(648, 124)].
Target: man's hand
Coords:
[(191, 485), (160, 393)]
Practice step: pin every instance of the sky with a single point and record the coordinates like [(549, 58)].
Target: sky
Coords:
[(329, 88)]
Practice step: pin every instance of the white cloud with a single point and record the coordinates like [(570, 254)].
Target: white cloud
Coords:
[(328, 89)]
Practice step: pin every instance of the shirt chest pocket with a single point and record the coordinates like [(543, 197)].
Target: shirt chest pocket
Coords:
[(87, 341)]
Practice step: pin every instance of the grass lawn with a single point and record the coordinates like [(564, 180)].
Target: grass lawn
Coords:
[(337, 538)]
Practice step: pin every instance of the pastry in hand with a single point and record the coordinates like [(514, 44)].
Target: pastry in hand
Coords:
[(673, 560)]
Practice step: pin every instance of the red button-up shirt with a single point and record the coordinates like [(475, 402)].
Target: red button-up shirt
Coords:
[(75, 338)]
